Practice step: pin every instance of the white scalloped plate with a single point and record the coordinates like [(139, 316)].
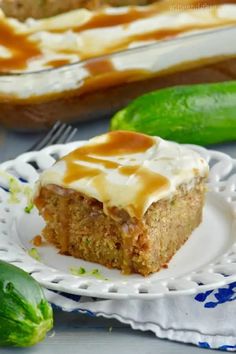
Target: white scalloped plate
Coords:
[(206, 261)]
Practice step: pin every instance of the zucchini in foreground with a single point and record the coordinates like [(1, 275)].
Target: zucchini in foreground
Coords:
[(198, 114), (25, 314)]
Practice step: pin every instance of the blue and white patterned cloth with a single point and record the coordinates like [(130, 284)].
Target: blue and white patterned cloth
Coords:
[(207, 319)]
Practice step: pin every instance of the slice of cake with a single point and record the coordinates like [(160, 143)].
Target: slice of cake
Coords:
[(124, 200)]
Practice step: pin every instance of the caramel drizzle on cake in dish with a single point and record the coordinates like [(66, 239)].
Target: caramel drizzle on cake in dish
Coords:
[(21, 48), (102, 19), (117, 144), (157, 35), (57, 63)]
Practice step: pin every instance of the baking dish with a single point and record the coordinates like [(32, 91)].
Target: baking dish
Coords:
[(98, 87)]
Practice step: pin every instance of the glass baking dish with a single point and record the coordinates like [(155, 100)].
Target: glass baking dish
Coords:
[(100, 86)]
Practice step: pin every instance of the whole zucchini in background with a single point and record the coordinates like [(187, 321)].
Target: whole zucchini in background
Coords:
[(198, 114), (25, 314)]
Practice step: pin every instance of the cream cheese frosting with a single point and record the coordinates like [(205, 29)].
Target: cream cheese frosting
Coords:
[(126, 170)]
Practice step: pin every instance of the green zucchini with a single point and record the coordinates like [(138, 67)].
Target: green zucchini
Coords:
[(198, 114), (25, 314)]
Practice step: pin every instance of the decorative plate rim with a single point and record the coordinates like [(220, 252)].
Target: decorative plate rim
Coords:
[(222, 181)]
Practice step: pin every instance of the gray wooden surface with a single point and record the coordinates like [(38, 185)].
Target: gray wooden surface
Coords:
[(75, 333)]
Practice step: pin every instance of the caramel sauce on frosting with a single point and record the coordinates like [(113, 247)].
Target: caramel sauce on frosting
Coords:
[(20, 48), (57, 63), (126, 170), (56, 41), (160, 34), (150, 182), (101, 19), (100, 66), (76, 171), (118, 143)]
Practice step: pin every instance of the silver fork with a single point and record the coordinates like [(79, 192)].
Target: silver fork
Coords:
[(60, 133)]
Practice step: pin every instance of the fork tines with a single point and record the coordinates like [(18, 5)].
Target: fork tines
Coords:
[(60, 133)]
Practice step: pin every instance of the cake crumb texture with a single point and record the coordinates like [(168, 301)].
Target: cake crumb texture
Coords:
[(77, 225)]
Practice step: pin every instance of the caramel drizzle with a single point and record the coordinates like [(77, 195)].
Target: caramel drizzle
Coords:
[(117, 143), (149, 36), (76, 171), (150, 182), (22, 49), (19, 46), (156, 35), (57, 63), (99, 66), (101, 20)]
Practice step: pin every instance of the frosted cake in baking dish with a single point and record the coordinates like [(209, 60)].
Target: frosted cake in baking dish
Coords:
[(124, 200), (86, 64), (36, 45)]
